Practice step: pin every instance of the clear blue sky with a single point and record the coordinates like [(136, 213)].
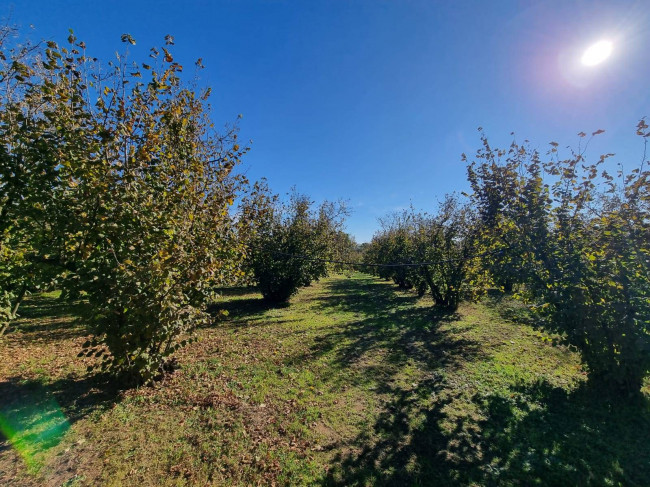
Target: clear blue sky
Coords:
[(374, 101)]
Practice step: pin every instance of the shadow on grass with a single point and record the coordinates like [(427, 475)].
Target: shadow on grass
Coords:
[(541, 434), (244, 304), (511, 309), (435, 432), (242, 309), (237, 291), (35, 416), (48, 319), (534, 436), (388, 322), (405, 445)]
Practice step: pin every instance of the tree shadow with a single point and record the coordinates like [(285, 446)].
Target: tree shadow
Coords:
[(436, 432), (388, 322), (511, 309), (35, 413), (536, 435), (405, 445), (540, 434), (47, 319), (376, 298), (35, 416), (244, 305), (237, 291), (394, 451), (242, 309)]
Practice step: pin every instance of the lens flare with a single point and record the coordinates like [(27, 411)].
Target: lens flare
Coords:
[(597, 53), (32, 423)]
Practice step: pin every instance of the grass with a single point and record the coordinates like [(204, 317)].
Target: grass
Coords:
[(354, 383)]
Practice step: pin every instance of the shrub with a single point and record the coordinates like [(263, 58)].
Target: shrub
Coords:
[(291, 243), (126, 198), (445, 241), (393, 244), (578, 241)]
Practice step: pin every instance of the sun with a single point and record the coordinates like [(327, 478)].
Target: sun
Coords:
[(597, 53)]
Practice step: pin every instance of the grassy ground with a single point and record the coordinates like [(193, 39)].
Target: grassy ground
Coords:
[(355, 383)]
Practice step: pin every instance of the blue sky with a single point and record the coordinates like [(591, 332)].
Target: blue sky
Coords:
[(374, 101)]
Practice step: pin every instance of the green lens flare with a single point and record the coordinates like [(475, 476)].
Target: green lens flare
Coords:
[(32, 423)]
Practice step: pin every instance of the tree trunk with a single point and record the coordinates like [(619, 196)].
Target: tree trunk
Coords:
[(19, 300), (13, 311)]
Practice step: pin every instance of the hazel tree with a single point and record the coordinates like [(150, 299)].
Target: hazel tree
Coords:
[(115, 182)]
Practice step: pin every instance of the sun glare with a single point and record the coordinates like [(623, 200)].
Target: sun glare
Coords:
[(597, 53)]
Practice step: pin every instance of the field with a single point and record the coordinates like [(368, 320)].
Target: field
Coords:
[(354, 383)]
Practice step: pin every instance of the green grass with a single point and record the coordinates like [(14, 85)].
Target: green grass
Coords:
[(354, 383)]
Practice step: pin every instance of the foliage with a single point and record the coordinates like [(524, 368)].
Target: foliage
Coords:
[(447, 242), (291, 242), (444, 241), (344, 249), (393, 245), (577, 239), (115, 183), (28, 180)]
